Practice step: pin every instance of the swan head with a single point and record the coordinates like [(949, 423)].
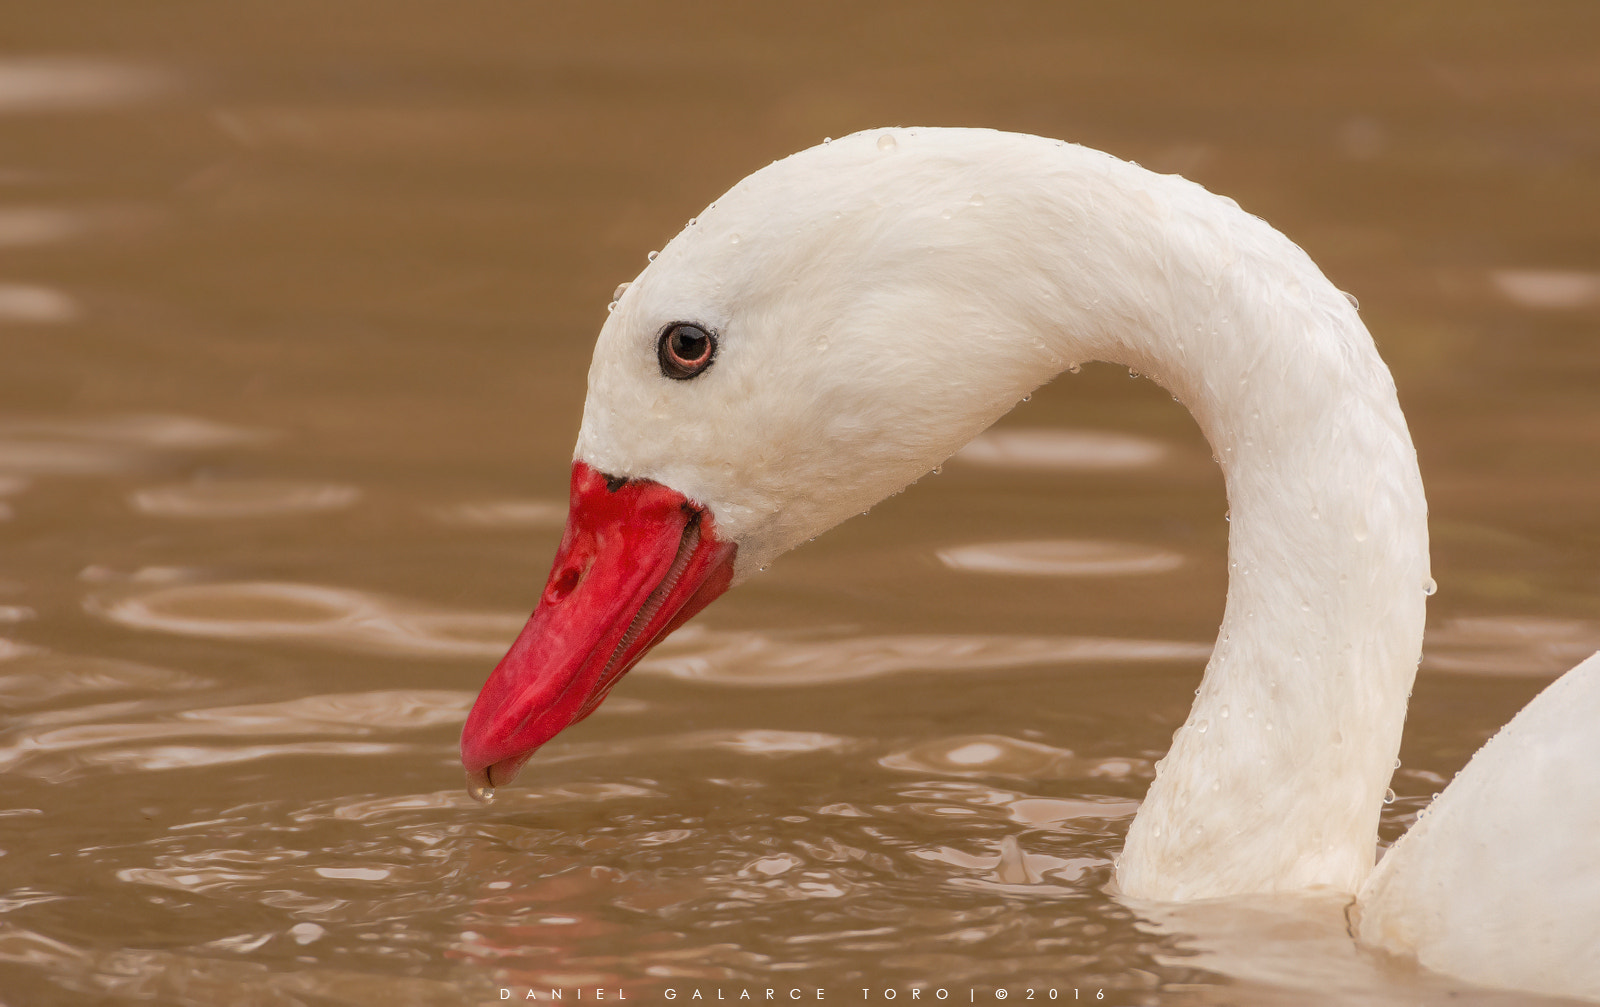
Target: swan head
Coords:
[(864, 329), (819, 337)]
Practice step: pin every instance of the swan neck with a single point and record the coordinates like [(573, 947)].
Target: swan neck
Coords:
[(1276, 780)]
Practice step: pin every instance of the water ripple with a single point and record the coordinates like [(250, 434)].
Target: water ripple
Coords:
[(1013, 871), (1547, 289), (145, 430), (997, 755), (33, 304), (62, 746), (749, 741), (39, 225), (198, 976), (457, 799), (62, 84), (1060, 558), (310, 613), (241, 498), (504, 514), (743, 657), (1509, 645), (109, 444), (32, 676), (555, 882), (1061, 450)]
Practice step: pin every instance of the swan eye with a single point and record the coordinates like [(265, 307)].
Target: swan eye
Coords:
[(685, 349)]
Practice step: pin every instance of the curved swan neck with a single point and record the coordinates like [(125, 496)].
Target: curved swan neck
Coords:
[(1276, 781)]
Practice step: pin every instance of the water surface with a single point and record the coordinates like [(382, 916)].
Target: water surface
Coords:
[(298, 302)]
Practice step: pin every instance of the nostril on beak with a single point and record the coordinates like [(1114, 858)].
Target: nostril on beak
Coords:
[(562, 585)]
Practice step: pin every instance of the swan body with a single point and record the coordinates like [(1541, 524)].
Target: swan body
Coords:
[(1499, 880), (877, 301)]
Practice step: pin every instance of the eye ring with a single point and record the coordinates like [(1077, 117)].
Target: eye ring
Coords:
[(685, 350)]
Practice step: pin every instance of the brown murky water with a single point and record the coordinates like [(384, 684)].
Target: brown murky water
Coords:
[(297, 302)]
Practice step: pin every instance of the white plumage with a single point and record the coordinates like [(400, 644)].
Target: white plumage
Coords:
[(882, 298)]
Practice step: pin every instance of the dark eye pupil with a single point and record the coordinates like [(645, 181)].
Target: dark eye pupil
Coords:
[(685, 350), (689, 347)]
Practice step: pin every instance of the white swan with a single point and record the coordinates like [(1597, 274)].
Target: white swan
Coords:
[(846, 318)]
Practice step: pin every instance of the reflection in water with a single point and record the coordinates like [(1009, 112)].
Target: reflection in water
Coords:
[(1012, 870), (1060, 558), (30, 303), (76, 715), (94, 573), (1051, 812), (54, 456), (456, 799), (110, 444), (358, 620), (728, 825), (733, 657), (1064, 450), (530, 908), (151, 431), (505, 514), (212, 974), (243, 498), (32, 676), (1548, 288), (10, 485), (1509, 645), (310, 613), (153, 758), (59, 84), (38, 225), (148, 735), (994, 755), (751, 741)]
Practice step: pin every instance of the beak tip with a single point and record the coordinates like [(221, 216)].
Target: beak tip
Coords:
[(482, 781), (480, 784)]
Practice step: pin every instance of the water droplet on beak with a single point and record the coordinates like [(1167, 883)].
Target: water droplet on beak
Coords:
[(479, 788)]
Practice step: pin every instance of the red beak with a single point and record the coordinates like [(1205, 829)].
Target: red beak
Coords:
[(637, 560)]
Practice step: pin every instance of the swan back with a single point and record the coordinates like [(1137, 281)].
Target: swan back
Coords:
[(1499, 880)]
